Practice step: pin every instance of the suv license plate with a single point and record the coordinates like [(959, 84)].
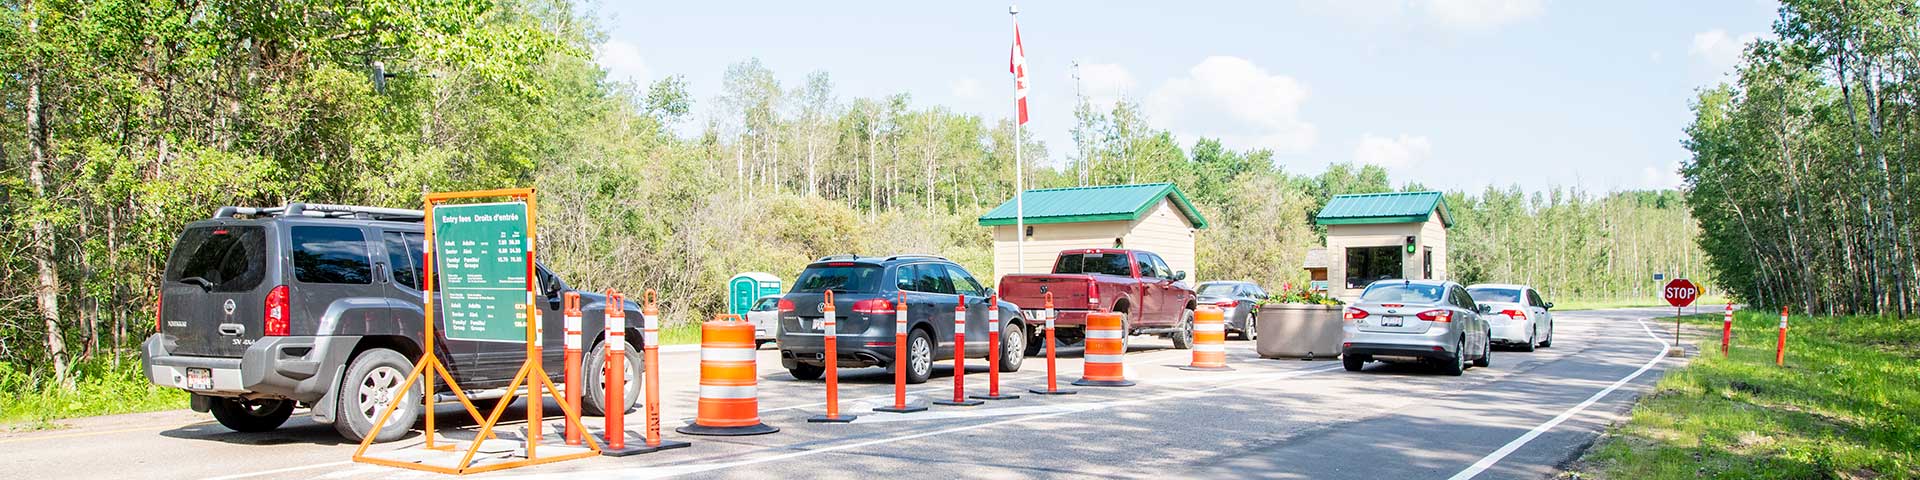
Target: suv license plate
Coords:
[(1392, 321), (199, 379)]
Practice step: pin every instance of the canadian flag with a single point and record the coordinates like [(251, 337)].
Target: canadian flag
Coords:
[(1018, 66)]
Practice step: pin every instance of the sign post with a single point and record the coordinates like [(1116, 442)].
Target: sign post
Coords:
[(1680, 292)]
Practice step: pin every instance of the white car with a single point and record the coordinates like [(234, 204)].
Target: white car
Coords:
[(765, 317), (1520, 318)]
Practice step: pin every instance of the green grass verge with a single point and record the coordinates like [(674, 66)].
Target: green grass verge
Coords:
[(681, 333), (28, 402), (1847, 405), (1713, 302)]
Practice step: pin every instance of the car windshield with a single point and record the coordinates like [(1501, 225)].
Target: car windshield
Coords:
[(1217, 289), (1401, 292), (839, 277), (766, 304), (1102, 263), (1506, 295)]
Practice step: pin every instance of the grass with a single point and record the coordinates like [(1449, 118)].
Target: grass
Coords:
[(1846, 405), (680, 333), (1714, 302), (34, 403)]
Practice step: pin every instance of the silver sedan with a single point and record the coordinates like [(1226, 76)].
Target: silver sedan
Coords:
[(1424, 321)]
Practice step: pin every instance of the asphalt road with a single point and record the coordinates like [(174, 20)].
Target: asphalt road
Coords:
[(1521, 418)]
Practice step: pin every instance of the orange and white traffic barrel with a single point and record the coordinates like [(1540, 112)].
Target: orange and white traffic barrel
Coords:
[(729, 393), (1053, 385), (1209, 340), (1105, 364), (959, 359)]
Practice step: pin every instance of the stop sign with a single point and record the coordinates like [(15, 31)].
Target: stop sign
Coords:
[(1680, 292)]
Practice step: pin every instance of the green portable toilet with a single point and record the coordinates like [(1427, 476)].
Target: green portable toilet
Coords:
[(744, 288)]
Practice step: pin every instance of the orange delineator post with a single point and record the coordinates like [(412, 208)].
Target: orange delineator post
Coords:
[(1780, 350), (1105, 362), (615, 381), (570, 304), (959, 358), (729, 394), (1053, 385), (993, 352), (1726, 330), (1209, 340), (900, 361), (829, 338), (650, 347)]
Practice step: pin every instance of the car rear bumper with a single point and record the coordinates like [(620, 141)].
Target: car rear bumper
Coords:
[(1434, 352), (1435, 343), (298, 368), (1514, 332), (854, 351)]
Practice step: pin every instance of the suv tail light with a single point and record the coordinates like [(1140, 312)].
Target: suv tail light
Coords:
[(1355, 313), (275, 321), (873, 306), (785, 305), (1093, 294), (1436, 316), (1228, 304), (1514, 314)]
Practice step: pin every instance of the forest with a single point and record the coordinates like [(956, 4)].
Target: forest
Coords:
[(122, 120), (1803, 177)]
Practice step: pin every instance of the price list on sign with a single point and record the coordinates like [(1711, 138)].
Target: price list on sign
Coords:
[(482, 269)]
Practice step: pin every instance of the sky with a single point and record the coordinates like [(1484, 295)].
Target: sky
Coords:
[(1453, 94)]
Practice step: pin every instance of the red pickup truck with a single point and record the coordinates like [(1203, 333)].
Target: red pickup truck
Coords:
[(1154, 299)]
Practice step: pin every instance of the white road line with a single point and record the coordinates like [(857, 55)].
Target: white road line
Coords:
[(1508, 449), (263, 473), (687, 469)]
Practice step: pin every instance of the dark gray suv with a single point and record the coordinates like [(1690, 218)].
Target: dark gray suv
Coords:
[(865, 290), (320, 305)]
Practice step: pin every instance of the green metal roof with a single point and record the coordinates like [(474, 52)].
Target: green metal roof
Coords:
[(1372, 208), (1094, 204)]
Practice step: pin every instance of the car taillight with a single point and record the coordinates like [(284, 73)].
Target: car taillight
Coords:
[(1228, 304), (274, 322), (1093, 294), (1355, 313), (873, 306), (1514, 314), (785, 306), (1436, 316)]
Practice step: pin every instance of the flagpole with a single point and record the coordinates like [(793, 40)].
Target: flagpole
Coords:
[(1019, 171)]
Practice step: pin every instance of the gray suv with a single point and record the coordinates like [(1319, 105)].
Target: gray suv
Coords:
[(865, 290), (320, 305)]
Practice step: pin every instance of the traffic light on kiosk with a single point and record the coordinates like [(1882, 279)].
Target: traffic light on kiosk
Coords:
[(1410, 239)]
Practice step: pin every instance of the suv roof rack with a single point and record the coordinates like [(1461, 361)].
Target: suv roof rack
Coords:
[(324, 210), (843, 256), (915, 255)]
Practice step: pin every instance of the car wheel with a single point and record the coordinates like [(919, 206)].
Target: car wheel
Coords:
[(1251, 331), (1486, 356), (1035, 342), (1458, 364), (1528, 347), (1013, 347), (807, 372), (372, 383), (253, 416), (919, 357), (1353, 362), (1183, 338), (594, 386)]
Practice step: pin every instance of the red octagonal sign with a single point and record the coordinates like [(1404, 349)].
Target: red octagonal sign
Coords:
[(1680, 292)]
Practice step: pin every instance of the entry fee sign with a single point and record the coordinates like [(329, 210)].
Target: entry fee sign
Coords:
[(1680, 292), (482, 270)]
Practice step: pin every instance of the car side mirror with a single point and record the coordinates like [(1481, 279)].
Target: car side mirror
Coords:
[(1549, 306), (1483, 309), (1180, 275), (990, 293)]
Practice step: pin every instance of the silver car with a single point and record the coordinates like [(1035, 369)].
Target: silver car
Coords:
[(765, 317), (1425, 321), (1519, 317)]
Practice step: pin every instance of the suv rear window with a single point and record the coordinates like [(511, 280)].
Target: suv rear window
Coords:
[(1403, 293), (331, 255), (839, 278), (1102, 263), (232, 259)]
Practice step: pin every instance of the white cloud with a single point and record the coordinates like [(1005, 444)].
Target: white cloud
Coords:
[(621, 60), (965, 88), (1655, 178), (1397, 154), (1482, 14), (1105, 83), (1719, 51), (1232, 99)]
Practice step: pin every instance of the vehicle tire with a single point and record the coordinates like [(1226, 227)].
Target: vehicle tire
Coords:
[(1013, 347), (1458, 364), (1549, 341), (919, 358), (1528, 347), (1353, 362), (1486, 356), (373, 381), (1249, 331), (1183, 339), (803, 371), (594, 387), (1036, 342), (252, 416)]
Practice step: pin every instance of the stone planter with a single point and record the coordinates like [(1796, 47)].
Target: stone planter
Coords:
[(1299, 330)]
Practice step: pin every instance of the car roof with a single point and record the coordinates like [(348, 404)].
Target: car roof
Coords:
[(1412, 282), (1235, 282), (878, 261), (1499, 285)]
